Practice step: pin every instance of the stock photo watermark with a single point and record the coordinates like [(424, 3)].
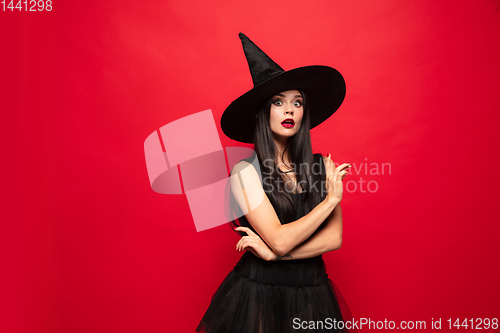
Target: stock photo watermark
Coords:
[(363, 169), (198, 167), (369, 324), (368, 170)]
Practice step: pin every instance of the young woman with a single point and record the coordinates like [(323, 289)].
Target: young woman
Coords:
[(287, 204)]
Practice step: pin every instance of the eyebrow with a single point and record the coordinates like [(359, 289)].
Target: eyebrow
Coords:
[(281, 95)]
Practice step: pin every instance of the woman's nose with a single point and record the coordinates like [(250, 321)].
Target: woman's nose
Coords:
[(289, 109)]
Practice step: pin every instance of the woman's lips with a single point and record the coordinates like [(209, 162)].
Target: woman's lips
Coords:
[(288, 123)]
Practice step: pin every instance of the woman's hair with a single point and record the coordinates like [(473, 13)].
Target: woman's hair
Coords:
[(300, 153)]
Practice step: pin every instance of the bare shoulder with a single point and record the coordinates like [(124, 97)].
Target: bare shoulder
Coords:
[(242, 165), (247, 189), (244, 174)]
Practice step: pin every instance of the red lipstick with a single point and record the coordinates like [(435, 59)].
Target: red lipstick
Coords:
[(288, 123)]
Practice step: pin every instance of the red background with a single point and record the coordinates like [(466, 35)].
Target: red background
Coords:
[(89, 247)]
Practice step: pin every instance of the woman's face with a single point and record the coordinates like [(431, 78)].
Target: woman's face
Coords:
[(286, 114)]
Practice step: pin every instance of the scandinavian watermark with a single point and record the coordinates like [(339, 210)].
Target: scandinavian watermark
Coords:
[(362, 171), (200, 168)]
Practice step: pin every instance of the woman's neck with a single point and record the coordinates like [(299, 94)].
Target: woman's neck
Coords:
[(280, 158)]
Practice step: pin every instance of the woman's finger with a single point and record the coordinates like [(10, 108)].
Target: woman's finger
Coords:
[(242, 245), (245, 229), (238, 245), (328, 165), (331, 164), (341, 175), (247, 244), (341, 168), (344, 166)]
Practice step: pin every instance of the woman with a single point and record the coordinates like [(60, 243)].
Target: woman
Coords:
[(289, 213)]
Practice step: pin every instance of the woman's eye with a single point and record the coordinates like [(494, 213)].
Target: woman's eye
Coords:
[(278, 102), (297, 104)]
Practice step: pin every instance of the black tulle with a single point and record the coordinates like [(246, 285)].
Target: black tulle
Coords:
[(260, 296)]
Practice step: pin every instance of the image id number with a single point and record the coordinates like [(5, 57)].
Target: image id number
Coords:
[(27, 5)]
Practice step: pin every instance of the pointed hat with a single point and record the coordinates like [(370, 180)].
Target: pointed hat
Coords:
[(324, 86)]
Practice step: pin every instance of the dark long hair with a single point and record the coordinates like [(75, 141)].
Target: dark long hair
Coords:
[(300, 154)]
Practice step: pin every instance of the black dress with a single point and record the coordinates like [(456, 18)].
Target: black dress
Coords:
[(260, 296)]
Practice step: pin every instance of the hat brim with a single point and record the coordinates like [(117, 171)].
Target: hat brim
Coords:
[(324, 86)]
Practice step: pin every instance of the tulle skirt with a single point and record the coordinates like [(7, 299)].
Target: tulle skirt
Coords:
[(258, 296)]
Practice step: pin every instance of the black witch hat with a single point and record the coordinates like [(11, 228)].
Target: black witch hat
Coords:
[(324, 86)]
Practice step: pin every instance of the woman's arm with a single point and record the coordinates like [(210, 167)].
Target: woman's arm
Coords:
[(327, 239), (250, 196)]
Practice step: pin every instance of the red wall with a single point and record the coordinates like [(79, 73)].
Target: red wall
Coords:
[(89, 247)]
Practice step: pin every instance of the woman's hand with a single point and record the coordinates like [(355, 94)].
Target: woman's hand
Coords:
[(253, 243), (334, 177)]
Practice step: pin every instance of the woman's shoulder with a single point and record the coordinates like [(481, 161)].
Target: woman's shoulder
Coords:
[(247, 170), (241, 166), (249, 162)]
